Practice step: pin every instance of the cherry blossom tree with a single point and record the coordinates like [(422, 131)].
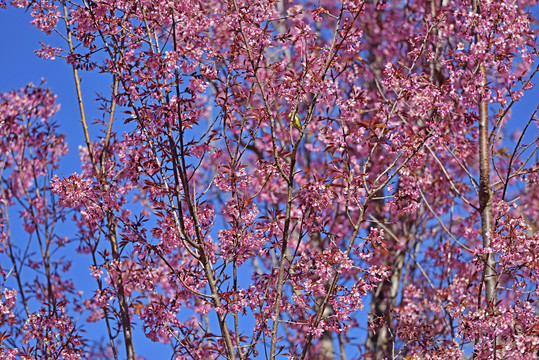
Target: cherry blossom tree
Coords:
[(262, 170)]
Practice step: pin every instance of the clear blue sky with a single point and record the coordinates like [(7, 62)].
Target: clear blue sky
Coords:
[(20, 66)]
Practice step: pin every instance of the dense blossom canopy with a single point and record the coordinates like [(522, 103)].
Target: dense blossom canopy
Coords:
[(264, 169)]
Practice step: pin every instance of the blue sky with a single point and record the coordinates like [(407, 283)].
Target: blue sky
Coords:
[(21, 66)]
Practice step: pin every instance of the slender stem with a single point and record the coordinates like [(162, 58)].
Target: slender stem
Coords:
[(488, 277), (111, 225), (485, 193), (485, 201)]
